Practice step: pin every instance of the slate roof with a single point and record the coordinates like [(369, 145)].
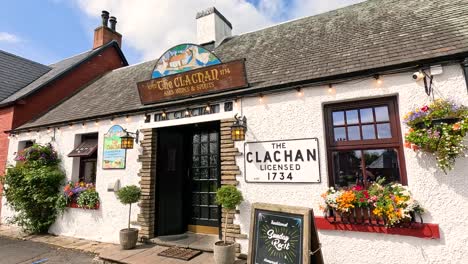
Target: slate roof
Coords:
[(365, 37), (17, 72), (55, 71)]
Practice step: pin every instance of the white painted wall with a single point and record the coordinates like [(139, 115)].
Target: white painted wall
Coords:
[(287, 116), (102, 224)]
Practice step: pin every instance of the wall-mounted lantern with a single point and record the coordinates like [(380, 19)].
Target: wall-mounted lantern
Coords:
[(127, 140), (239, 128)]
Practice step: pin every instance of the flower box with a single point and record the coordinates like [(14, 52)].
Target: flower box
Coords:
[(389, 205), (73, 204), (364, 216)]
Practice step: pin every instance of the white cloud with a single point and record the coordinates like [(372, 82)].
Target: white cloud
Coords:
[(151, 27), (8, 37)]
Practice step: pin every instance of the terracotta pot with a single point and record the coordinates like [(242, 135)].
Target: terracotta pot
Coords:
[(224, 252), (128, 238)]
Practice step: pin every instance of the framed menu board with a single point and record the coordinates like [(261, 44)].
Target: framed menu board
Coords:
[(283, 235)]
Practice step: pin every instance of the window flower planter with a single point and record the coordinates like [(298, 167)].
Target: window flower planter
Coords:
[(382, 208), (81, 195), (381, 204), (364, 216), (73, 204)]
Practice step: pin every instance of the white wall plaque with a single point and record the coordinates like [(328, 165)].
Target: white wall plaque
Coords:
[(282, 161)]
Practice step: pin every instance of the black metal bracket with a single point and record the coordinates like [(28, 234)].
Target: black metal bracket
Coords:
[(136, 134)]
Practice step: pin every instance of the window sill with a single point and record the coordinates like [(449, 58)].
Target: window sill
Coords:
[(75, 205), (428, 231)]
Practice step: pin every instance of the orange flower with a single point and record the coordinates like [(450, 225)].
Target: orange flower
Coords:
[(407, 144), (414, 147), (456, 126), (411, 130)]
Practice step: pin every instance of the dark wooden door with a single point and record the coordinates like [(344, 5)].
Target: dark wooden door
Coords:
[(204, 176), (171, 171)]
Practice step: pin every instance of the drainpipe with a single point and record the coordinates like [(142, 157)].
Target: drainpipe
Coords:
[(464, 65)]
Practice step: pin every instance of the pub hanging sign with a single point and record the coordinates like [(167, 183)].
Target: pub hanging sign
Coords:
[(282, 161), (189, 70)]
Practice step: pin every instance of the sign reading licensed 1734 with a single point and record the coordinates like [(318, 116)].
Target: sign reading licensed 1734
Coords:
[(282, 161)]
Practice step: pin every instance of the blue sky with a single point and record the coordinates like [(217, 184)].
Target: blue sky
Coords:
[(47, 31)]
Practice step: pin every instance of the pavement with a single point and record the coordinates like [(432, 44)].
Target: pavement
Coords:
[(15, 251), (19, 248)]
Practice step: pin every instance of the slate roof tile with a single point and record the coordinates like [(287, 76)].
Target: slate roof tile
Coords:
[(365, 36), (17, 72)]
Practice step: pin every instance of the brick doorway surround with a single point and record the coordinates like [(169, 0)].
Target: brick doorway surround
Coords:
[(229, 171)]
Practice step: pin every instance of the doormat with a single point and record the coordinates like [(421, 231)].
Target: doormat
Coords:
[(180, 253)]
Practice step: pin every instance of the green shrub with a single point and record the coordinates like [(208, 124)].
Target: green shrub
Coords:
[(228, 197), (128, 195), (88, 199), (32, 189)]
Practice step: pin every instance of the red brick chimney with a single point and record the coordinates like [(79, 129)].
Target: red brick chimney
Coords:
[(105, 34)]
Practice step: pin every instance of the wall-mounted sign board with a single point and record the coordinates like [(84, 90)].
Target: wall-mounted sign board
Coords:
[(206, 80), (113, 156), (282, 161), (283, 235)]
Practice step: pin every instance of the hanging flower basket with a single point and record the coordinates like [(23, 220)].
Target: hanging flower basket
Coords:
[(439, 128)]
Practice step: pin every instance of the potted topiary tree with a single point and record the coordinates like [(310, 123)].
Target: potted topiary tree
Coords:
[(229, 198), (128, 195)]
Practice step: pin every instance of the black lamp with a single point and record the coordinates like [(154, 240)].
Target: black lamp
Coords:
[(127, 140), (239, 128)]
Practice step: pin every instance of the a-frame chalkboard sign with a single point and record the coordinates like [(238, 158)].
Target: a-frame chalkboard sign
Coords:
[(283, 235)]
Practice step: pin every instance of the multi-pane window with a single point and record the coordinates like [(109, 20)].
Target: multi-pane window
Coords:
[(364, 142)]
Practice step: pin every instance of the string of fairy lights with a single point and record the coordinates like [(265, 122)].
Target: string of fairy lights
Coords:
[(330, 86)]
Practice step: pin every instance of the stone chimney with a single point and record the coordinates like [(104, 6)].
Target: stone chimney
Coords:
[(104, 34), (212, 26)]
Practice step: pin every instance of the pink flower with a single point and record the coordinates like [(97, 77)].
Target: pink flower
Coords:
[(425, 108)]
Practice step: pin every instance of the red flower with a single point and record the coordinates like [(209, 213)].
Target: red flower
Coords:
[(357, 188), (425, 108), (366, 194)]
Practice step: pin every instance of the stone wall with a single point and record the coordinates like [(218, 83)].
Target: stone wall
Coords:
[(147, 182), (229, 172)]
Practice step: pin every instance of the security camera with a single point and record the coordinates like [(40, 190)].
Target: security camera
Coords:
[(418, 76)]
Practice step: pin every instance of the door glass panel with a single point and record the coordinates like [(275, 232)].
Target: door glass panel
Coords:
[(204, 148), (213, 136), (205, 212), (205, 175), (384, 131), (204, 199), (354, 133), (213, 148), (340, 133), (352, 117), (368, 132), (381, 113), (204, 161), (338, 118), (347, 167), (366, 115)]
